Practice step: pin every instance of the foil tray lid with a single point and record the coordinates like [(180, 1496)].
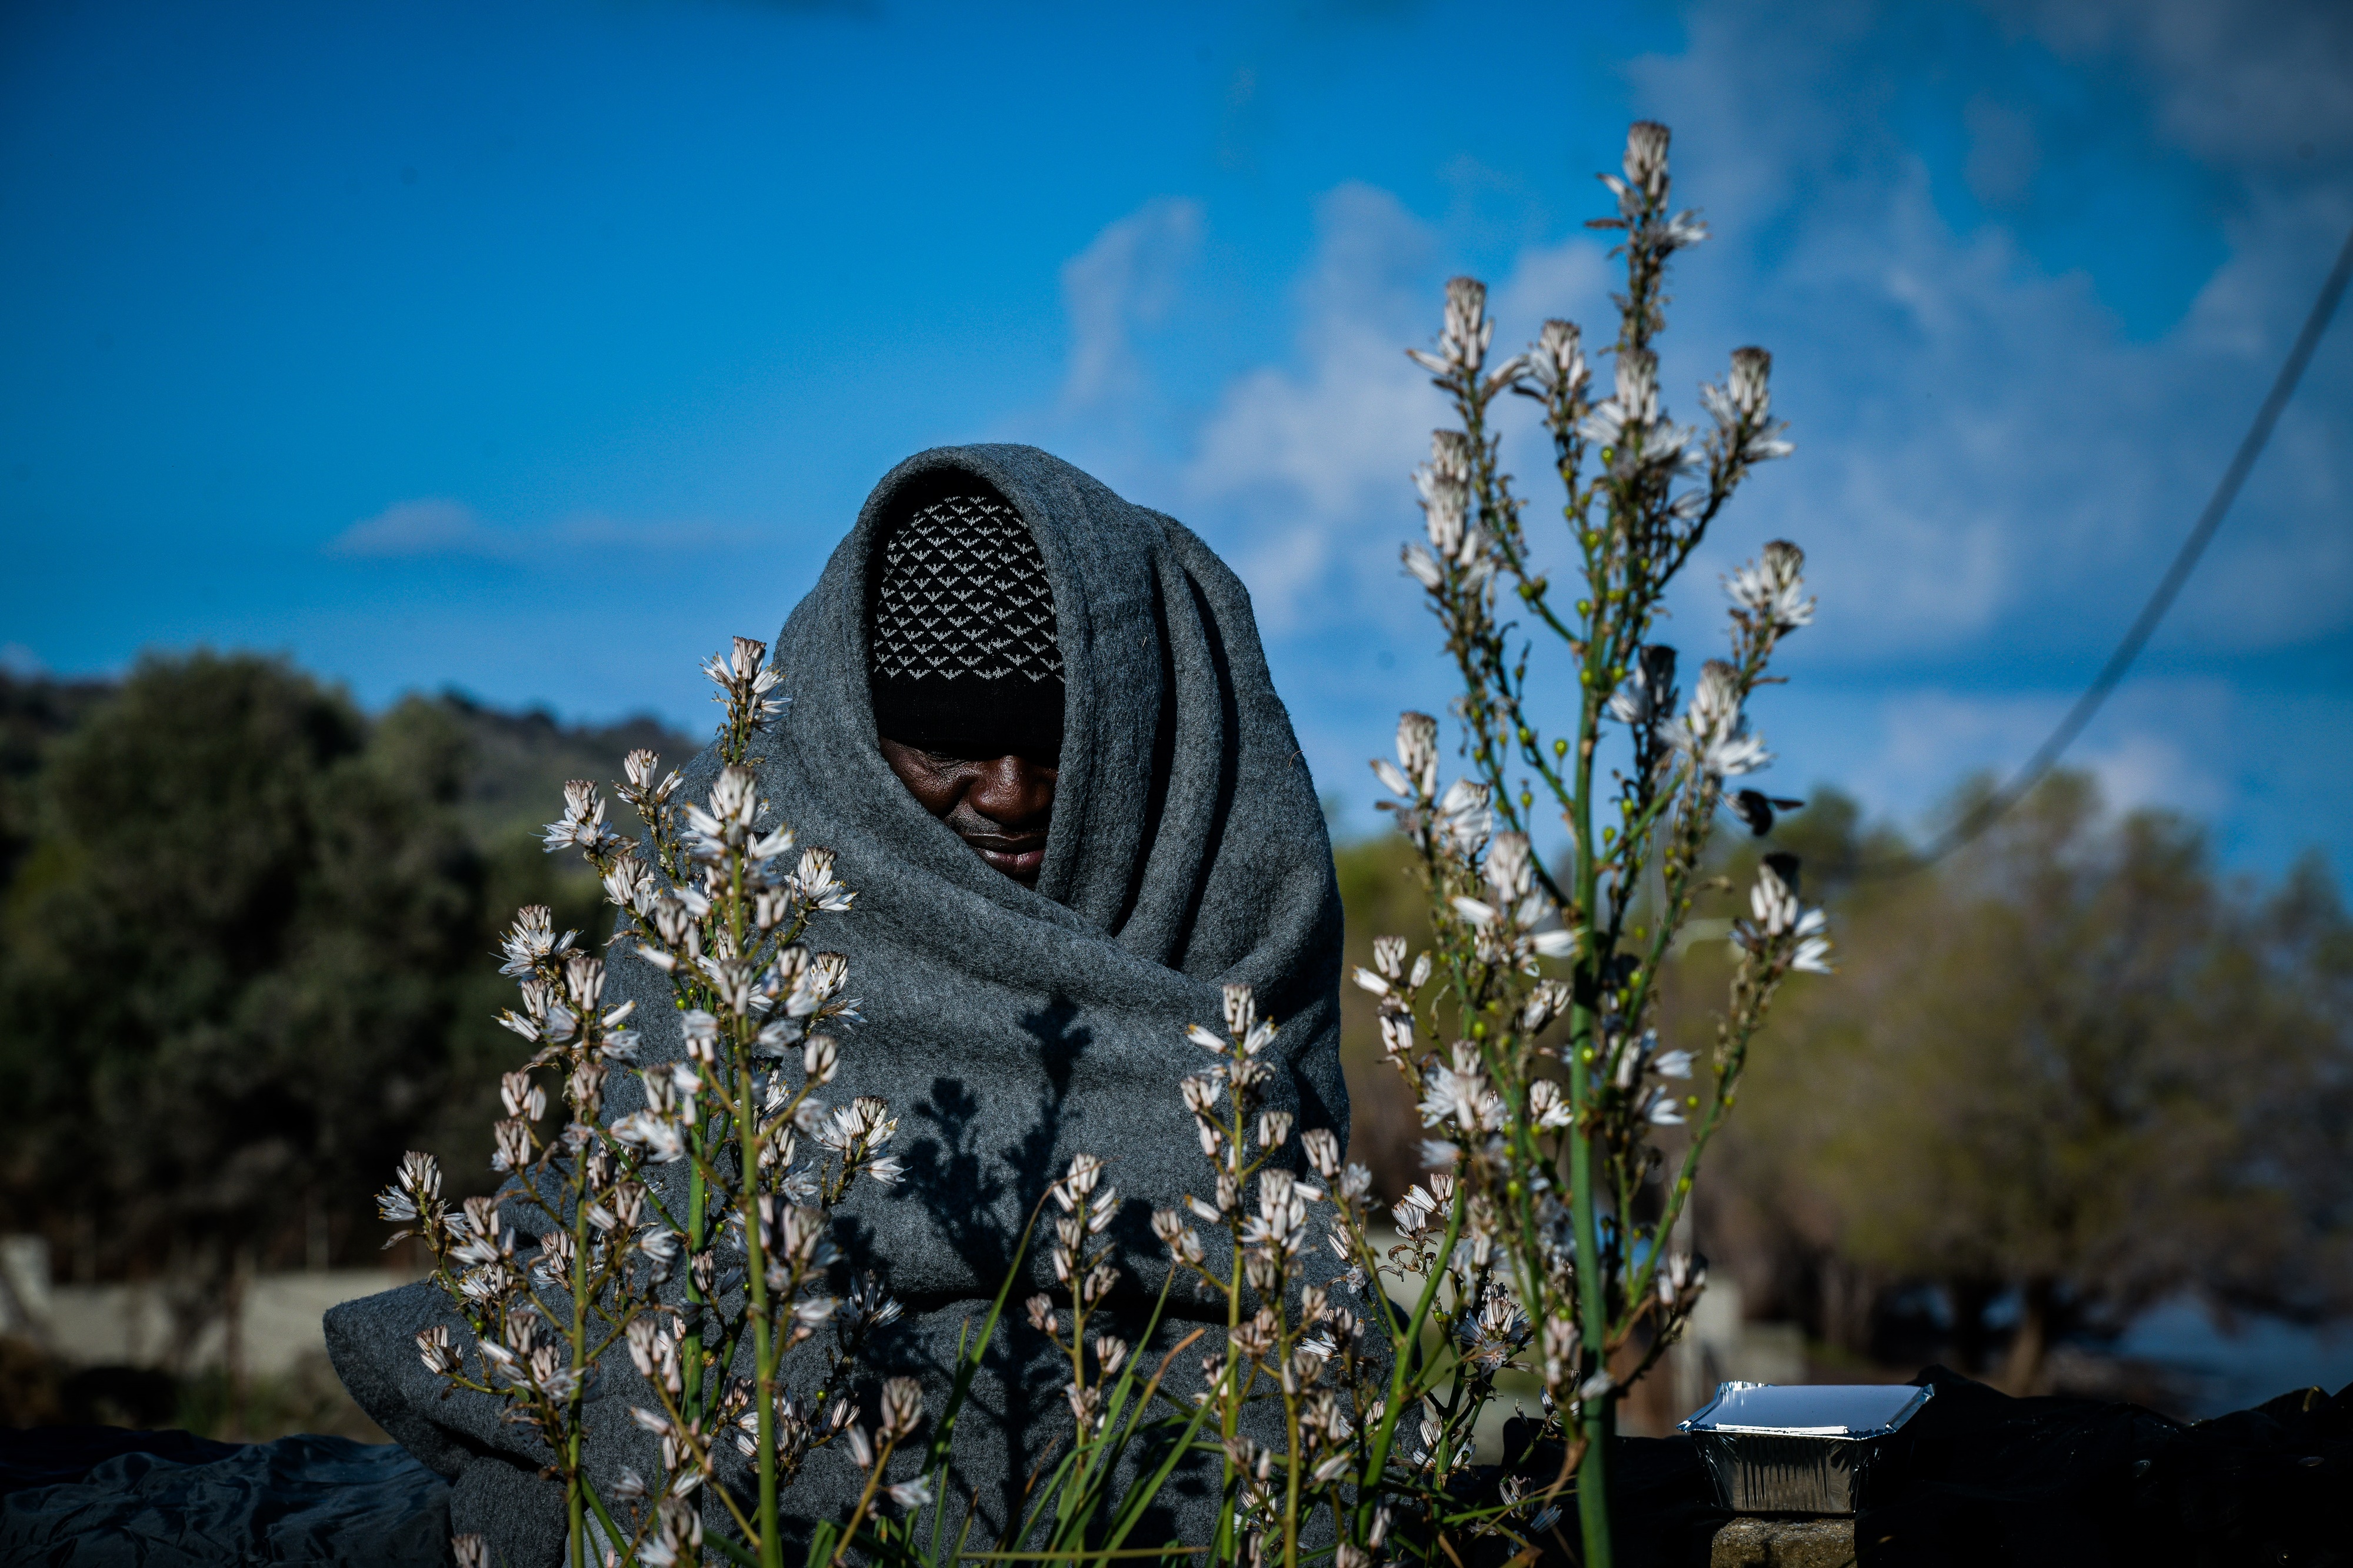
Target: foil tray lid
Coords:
[(1808, 1410)]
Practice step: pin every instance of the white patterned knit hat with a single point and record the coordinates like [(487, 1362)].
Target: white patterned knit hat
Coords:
[(961, 650)]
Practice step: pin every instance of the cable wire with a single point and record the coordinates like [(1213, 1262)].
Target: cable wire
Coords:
[(2046, 756)]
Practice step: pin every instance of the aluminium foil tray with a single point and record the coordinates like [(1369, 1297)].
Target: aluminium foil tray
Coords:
[(1791, 1448)]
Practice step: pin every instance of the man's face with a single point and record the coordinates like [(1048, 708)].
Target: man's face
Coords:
[(1000, 805)]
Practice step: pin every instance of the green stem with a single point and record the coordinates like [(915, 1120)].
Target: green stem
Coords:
[(1592, 1290), (690, 1350), (582, 1290), (1291, 1475), (1405, 1344), (770, 1545)]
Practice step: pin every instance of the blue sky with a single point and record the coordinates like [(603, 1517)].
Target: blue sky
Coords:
[(533, 348)]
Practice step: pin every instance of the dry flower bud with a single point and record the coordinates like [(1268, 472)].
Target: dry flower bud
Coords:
[(902, 1407)]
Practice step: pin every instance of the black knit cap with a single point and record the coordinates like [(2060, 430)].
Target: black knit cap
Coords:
[(961, 650)]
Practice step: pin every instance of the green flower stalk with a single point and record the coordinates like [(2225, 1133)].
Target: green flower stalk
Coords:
[(1551, 1094)]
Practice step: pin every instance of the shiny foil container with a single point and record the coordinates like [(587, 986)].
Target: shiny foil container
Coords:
[(1798, 1448)]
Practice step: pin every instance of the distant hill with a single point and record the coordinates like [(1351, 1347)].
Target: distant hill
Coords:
[(515, 781), (522, 761)]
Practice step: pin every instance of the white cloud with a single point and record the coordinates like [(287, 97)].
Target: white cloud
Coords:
[(1991, 467), (1315, 454), (429, 526), (1128, 278), (1982, 453), (432, 527)]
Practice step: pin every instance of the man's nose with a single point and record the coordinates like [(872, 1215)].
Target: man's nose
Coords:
[(1013, 790)]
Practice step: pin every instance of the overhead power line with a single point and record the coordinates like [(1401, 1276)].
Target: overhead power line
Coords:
[(2046, 756)]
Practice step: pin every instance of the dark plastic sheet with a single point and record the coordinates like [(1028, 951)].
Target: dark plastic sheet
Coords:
[(321, 1501)]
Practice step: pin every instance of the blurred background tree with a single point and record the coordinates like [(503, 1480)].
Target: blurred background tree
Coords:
[(248, 956), (2065, 1074)]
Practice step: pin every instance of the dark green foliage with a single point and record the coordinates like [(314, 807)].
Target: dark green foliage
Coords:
[(249, 959), (2073, 1064), (33, 715)]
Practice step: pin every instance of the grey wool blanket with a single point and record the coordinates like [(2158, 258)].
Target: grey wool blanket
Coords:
[(1009, 1028)]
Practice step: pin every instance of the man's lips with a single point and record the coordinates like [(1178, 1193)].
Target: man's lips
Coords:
[(1014, 857)]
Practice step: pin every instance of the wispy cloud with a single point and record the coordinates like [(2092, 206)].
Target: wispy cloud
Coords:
[(1125, 281), (435, 527), (428, 526), (1994, 464), (1309, 456), (1985, 452)]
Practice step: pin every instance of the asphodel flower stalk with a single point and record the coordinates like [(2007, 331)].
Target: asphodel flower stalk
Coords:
[(717, 898), (1547, 1099)]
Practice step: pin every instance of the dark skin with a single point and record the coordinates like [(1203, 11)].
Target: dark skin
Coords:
[(999, 805)]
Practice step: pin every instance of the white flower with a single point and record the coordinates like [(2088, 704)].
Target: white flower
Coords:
[(1445, 487), (1627, 416), (1813, 951), (902, 1408), (1713, 733), (1557, 943), (1453, 1096), (1772, 588), (1508, 869), (659, 1139), (1556, 363), (1546, 1002), (1772, 901), (1464, 816), (1546, 1108), (532, 939), (1742, 406), (582, 824), (1462, 342), (1416, 749), (1649, 690), (817, 885), (1646, 157), (743, 684)]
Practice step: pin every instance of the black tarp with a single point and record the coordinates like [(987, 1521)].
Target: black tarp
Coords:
[(1976, 1479), (84, 1497)]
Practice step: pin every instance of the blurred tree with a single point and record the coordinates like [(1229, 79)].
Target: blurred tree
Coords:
[(2068, 1070), (247, 963), (34, 713)]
